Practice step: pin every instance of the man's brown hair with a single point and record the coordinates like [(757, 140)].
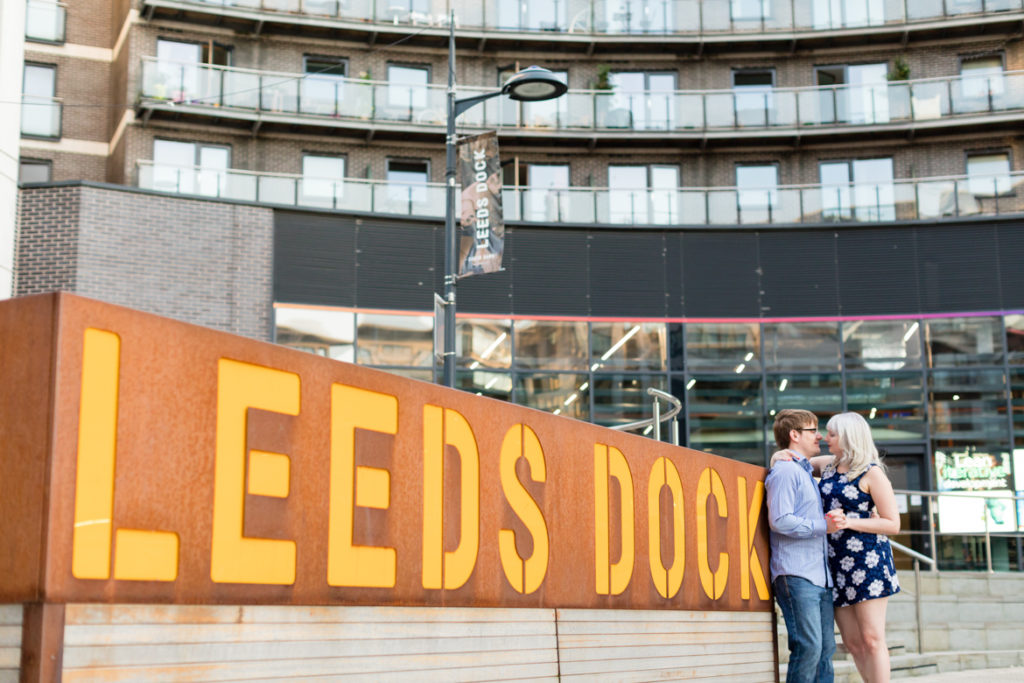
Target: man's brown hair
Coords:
[(789, 419)]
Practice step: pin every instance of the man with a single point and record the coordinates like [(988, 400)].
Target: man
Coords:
[(799, 562)]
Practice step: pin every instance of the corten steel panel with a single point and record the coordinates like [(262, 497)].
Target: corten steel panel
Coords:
[(26, 343), (167, 429)]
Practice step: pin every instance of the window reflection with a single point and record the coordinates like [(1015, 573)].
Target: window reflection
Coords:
[(893, 404), (963, 341), (1017, 405), (801, 346), (554, 344), (483, 343), (967, 407), (725, 416), (632, 346), (1015, 339), (623, 398), (486, 383), (720, 347), (821, 394), (566, 394), (882, 344), (325, 333), (395, 340)]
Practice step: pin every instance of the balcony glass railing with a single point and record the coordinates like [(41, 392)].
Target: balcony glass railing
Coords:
[(40, 116), (661, 17), (312, 96), (897, 200), (44, 21)]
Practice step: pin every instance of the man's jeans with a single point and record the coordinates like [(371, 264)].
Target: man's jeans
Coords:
[(807, 610)]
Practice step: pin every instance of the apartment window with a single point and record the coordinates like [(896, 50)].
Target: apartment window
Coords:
[(757, 193), (44, 21), (543, 15), (35, 171), (751, 10), (323, 180), (639, 100), (643, 195), (981, 86), (853, 93), (182, 72), (323, 86), (543, 190), (988, 175), (190, 167), (753, 96), (40, 111), (860, 188), (407, 184), (407, 91)]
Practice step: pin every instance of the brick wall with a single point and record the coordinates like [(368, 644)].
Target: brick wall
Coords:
[(203, 262)]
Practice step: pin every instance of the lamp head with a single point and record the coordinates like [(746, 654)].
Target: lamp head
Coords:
[(534, 84)]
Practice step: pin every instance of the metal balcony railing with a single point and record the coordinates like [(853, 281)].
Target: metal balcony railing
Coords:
[(319, 98), (44, 21), (937, 198), (41, 116), (694, 18)]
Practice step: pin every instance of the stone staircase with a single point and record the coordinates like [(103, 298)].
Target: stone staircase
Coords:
[(969, 620)]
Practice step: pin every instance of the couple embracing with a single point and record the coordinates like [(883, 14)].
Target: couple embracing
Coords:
[(831, 557)]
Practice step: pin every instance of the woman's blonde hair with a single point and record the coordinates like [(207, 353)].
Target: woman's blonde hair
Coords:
[(855, 442)]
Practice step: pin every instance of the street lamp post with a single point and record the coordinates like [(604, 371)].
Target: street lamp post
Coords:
[(532, 84)]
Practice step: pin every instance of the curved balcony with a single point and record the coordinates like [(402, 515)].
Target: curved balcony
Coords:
[(937, 198), (540, 19), (290, 98)]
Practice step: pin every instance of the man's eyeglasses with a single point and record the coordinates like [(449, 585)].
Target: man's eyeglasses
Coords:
[(806, 429)]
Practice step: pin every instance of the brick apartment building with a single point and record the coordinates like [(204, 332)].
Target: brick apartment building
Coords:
[(751, 204)]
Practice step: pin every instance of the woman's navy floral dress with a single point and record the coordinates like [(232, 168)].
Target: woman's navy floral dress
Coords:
[(861, 563)]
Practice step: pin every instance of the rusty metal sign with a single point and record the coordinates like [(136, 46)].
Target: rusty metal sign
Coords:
[(148, 460)]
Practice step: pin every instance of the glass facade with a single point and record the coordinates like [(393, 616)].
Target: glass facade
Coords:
[(925, 385)]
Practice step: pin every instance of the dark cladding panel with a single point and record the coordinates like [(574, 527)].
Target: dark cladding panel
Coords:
[(958, 270), (720, 274), (878, 271), (397, 265), (798, 273), (674, 275), (490, 293), (314, 259), (1011, 265), (549, 272), (627, 274)]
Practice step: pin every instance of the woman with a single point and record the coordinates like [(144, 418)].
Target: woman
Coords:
[(854, 486)]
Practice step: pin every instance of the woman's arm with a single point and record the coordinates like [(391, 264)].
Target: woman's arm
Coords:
[(888, 520), (820, 462)]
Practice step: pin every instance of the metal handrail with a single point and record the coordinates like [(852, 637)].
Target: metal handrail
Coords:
[(658, 418), (912, 553)]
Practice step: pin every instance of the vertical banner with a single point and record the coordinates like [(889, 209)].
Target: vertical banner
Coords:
[(483, 226)]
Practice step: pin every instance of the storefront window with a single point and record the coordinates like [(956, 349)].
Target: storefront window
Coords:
[(968, 408), (821, 394), (483, 343), (725, 416), (325, 333), (551, 344), (628, 346), (723, 347), (801, 346), (623, 398), (485, 383), (396, 340), (1017, 405), (879, 345), (954, 342), (893, 404), (1014, 339), (566, 394)]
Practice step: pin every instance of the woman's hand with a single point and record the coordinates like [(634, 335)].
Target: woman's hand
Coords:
[(779, 455)]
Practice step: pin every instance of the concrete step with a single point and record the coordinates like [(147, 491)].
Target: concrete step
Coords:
[(916, 664)]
